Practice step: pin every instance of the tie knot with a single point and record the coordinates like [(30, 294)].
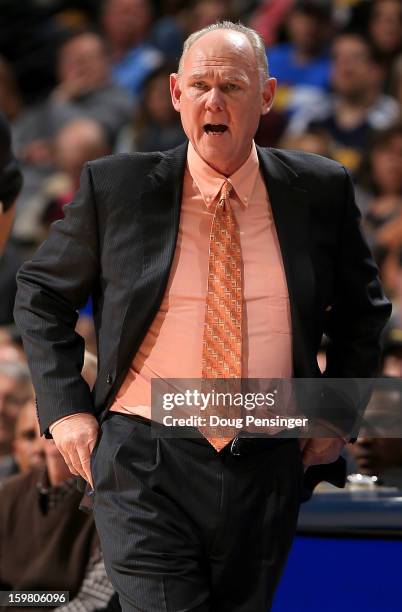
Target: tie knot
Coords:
[(226, 190)]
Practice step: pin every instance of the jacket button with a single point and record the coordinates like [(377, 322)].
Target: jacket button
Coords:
[(109, 379)]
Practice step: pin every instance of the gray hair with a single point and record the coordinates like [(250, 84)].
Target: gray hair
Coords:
[(254, 38)]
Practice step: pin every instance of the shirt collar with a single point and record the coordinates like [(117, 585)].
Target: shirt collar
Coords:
[(209, 181)]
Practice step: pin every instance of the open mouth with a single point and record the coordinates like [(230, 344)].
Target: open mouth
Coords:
[(215, 128)]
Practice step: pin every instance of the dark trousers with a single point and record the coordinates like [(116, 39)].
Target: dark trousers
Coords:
[(186, 528)]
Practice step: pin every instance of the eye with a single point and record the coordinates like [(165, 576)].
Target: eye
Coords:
[(199, 85), (230, 87)]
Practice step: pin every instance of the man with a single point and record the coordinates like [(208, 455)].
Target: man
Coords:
[(126, 27), (302, 66), (40, 501), (27, 443), (357, 105), (197, 524), (15, 391)]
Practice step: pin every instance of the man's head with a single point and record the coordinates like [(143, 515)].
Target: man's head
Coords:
[(309, 26), (356, 69), (126, 22), (385, 25), (83, 59), (15, 390), (77, 142), (28, 450), (221, 90)]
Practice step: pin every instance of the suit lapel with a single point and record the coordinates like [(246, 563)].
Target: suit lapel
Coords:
[(160, 217), (291, 212)]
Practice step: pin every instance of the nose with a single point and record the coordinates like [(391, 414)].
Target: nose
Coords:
[(214, 101)]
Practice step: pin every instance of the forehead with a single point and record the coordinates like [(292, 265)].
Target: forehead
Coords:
[(87, 43), (219, 50), (350, 45)]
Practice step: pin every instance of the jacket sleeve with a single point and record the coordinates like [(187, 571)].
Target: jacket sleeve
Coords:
[(51, 288), (358, 315)]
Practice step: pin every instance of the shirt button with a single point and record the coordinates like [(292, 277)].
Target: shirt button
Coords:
[(109, 379), (208, 199), (246, 199)]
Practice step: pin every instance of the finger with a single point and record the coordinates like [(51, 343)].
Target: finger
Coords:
[(77, 465), (85, 461), (86, 466)]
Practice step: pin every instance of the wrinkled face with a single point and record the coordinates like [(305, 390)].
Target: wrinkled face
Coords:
[(220, 98)]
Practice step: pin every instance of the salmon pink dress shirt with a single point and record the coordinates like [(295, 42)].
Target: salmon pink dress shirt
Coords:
[(172, 347)]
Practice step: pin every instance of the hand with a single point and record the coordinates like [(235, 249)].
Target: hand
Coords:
[(73, 88), (320, 450), (75, 438)]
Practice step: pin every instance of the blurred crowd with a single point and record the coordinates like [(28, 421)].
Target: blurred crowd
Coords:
[(83, 79)]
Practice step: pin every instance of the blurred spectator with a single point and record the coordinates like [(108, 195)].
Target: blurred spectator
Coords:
[(84, 90), (169, 32), (357, 105), (379, 191), (10, 345), (385, 29), (47, 543), (379, 195), (302, 65), (156, 126), (10, 182), (126, 25), (15, 391), (269, 18), (27, 444), (313, 141), (77, 142), (375, 453)]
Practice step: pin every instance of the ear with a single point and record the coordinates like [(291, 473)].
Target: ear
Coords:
[(175, 91), (268, 95)]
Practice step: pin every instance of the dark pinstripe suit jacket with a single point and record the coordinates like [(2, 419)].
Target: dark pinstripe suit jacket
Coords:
[(117, 243)]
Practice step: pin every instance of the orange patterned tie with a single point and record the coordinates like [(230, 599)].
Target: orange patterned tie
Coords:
[(222, 341)]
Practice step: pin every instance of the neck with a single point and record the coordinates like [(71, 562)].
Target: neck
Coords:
[(227, 169)]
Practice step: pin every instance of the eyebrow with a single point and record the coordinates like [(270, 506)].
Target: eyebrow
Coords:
[(231, 77)]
